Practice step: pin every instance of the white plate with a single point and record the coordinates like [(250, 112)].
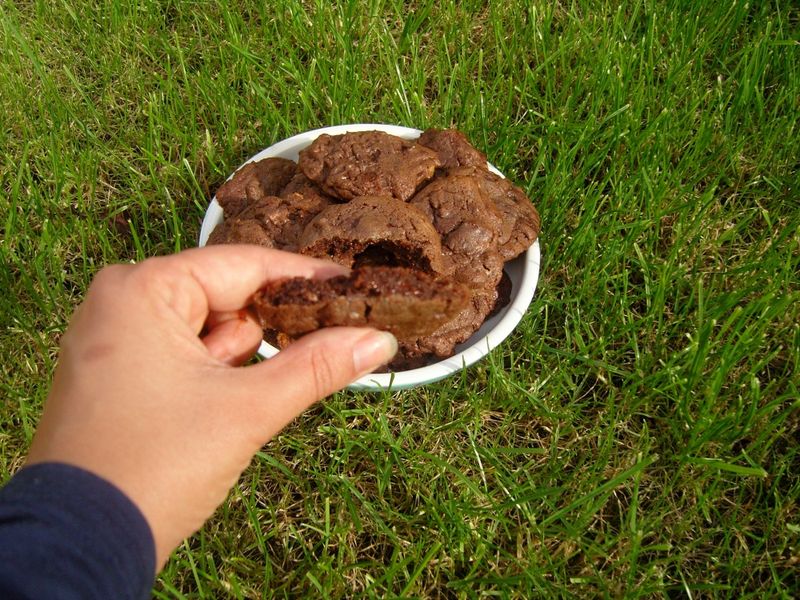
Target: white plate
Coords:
[(523, 271)]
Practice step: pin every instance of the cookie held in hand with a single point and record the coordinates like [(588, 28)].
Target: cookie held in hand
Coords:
[(406, 302)]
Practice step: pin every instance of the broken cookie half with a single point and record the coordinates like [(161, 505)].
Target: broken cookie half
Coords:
[(406, 302)]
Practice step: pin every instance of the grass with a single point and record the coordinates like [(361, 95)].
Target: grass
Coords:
[(637, 436)]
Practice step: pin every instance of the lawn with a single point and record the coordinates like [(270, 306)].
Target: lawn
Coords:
[(637, 436)]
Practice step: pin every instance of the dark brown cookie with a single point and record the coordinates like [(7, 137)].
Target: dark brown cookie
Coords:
[(300, 184), (520, 220), (374, 230), (469, 225), (453, 148), (253, 181), (240, 231), (368, 163), (442, 342), (406, 302), (271, 221), (485, 303)]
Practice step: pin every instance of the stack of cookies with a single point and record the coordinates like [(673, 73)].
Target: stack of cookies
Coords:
[(424, 224)]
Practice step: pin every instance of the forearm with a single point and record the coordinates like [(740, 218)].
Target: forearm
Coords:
[(65, 533)]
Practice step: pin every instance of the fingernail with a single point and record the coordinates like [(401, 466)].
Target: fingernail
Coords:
[(373, 350)]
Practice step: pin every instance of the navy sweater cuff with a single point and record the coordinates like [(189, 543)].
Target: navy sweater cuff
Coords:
[(66, 533)]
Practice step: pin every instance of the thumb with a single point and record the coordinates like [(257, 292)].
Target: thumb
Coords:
[(318, 364)]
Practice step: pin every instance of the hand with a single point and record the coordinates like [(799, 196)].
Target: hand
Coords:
[(142, 400)]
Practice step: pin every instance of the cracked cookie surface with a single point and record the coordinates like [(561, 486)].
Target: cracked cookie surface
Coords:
[(255, 180), (272, 221), (374, 230), (368, 163)]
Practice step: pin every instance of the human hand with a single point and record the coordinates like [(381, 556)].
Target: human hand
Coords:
[(140, 399)]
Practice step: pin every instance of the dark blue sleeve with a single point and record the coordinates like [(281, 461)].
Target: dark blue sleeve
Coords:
[(66, 533)]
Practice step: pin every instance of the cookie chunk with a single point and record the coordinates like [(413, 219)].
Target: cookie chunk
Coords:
[(520, 220), (374, 230), (469, 226), (368, 163), (277, 339), (453, 148), (271, 221), (406, 302), (253, 181)]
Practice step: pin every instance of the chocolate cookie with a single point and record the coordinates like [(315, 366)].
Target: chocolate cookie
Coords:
[(442, 342), (300, 184), (469, 225), (374, 230), (520, 220), (255, 180), (453, 148), (271, 221), (368, 163), (406, 302), (240, 231)]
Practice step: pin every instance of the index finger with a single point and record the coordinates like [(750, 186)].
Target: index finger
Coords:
[(225, 277)]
